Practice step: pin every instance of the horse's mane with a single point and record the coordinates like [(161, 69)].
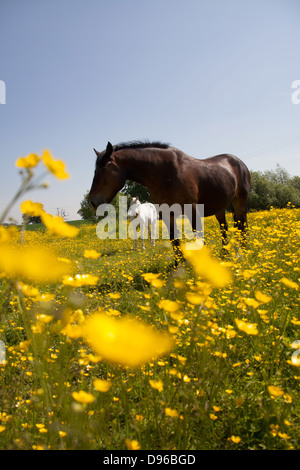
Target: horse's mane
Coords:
[(140, 145)]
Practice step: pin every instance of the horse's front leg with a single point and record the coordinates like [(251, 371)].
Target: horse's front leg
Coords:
[(135, 238), (143, 229)]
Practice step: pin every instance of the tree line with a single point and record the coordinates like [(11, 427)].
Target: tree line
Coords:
[(273, 188)]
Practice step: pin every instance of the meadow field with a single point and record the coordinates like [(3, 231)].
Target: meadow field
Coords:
[(227, 375), (103, 347)]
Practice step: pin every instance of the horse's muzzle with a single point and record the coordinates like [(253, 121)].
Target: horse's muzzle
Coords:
[(95, 201)]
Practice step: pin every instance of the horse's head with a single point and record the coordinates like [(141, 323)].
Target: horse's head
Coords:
[(109, 178), (134, 207)]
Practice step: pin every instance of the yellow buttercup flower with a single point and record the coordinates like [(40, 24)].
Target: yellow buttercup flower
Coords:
[(195, 298), (132, 444), (80, 280), (157, 384), (57, 226), (7, 234), (114, 295), (206, 266), (56, 167), (251, 302), (28, 162), (83, 397), (91, 254), (154, 280), (102, 385), (171, 412), (32, 264), (32, 208), (249, 328), (263, 298), (125, 341), (289, 283), (169, 305), (275, 391)]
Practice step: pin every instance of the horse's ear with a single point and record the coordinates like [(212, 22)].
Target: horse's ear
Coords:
[(97, 153), (109, 149)]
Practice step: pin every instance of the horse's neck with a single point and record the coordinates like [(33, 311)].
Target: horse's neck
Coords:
[(137, 167)]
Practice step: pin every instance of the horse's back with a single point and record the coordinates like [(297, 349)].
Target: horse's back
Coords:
[(234, 165)]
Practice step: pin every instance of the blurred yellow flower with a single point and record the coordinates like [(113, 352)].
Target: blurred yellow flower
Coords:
[(157, 384), (263, 298), (213, 416), (72, 331), (289, 283), (114, 295), (235, 439), (57, 226), (125, 341), (91, 254), (28, 290), (7, 234), (275, 391), (195, 298), (172, 413), (149, 277), (102, 385), (56, 167), (32, 264), (28, 162), (249, 328), (153, 279), (251, 302), (132, 445), (32, 208), (206, 266), (169, 305), (83, 397), (80, 280)]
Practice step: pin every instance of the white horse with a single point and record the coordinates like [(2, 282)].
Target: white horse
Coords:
[(143, 215)]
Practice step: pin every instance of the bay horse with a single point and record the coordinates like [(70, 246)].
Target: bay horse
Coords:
[(173, 177), (144, 215)]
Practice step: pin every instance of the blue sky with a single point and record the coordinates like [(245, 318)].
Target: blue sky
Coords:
[(207, 77)]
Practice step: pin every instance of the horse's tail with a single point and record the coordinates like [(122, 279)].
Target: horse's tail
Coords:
[(240, 201)]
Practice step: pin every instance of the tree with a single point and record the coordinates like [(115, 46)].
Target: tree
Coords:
[(62, 213), (273, 188), (133, 189), (85, 211), (262, 193), (31, 219)]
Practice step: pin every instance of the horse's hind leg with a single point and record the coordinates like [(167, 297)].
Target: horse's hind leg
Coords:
[(240, 216), (173, 233), (152, 231), (223, 226)]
